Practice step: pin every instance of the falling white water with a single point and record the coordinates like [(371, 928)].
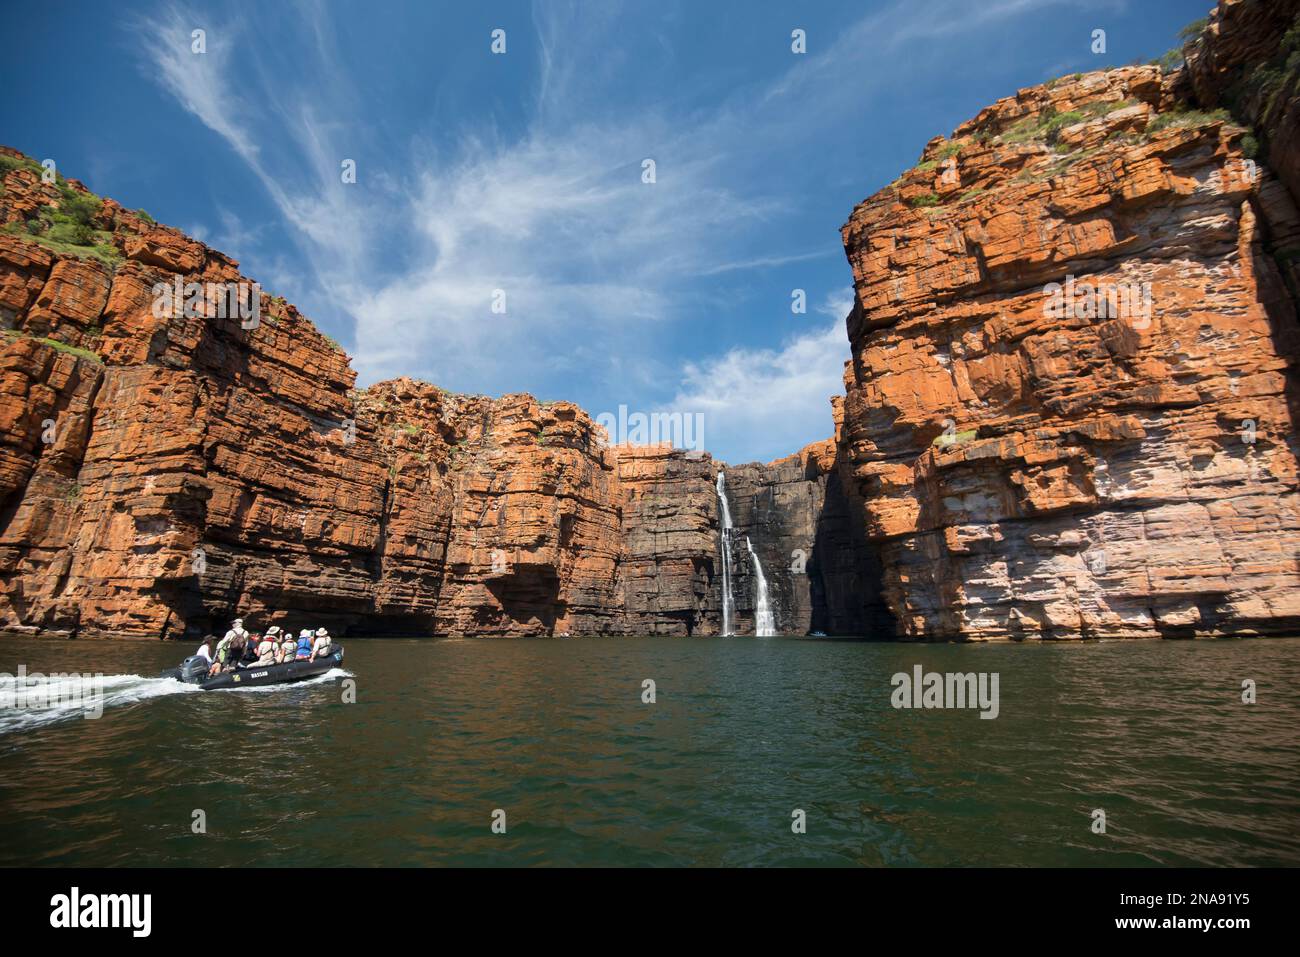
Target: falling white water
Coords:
[(728, 603), (764, 622)]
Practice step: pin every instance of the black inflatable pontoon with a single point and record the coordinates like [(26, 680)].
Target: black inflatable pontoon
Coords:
[(194, 671)]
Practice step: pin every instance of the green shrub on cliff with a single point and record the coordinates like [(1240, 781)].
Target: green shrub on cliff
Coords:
[(1025, 130), (1183, 117), (80, 208), (72, 350), (14, 334), (1052, 129), (1193, 30), (1257, 96), (69, 225), (1099, 108), (1046, 127), (66, 239), (925, 199), (9, 163), (947, 439), (1040, 126), (1171, 59)]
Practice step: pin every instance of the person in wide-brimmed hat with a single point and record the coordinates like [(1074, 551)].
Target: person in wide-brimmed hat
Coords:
[(322, 644), (304, 644), (275, 637), (230, 647), (288, 646), (265, 651)]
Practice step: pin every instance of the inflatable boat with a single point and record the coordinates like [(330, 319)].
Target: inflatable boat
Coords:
[(194, 671)]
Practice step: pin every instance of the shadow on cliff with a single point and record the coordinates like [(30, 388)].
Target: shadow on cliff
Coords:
[(845, 573), (530, 595)]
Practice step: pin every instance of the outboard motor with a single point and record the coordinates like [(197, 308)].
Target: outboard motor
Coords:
[(194, 669)]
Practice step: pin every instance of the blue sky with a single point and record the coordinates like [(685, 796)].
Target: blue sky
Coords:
[(523, 171)]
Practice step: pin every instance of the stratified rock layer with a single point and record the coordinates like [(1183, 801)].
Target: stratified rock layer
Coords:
[(161, 472), (1034, 462), (1070, 412), (1248, 59)]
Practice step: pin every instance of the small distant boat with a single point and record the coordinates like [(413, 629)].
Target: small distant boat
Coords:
[(194, 671), (816, 634)]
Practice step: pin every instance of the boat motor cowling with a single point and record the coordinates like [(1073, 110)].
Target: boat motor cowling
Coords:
[(194, 669)]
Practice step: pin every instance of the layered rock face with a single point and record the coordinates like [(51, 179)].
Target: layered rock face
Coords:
[(1070, 411), (667, 572), (164, 469), (180, 466), (1248, 59)]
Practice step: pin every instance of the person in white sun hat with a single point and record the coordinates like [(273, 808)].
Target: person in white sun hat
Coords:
[(322, 644)]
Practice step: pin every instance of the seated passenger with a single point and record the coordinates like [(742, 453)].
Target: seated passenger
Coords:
[(273, 635), (304, 645), (248, 651), (288, 647), (266, 649), (321, 645)]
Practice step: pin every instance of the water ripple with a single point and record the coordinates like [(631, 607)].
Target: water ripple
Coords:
[(743, 733)]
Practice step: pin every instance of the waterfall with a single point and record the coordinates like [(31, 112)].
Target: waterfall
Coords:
[(728, 602), (764, 622)]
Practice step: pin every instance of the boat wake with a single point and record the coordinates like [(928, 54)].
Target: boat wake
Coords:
[(29, 701), (33, 700)]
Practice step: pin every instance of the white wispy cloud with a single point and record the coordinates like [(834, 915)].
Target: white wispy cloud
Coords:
[(593, 262), (772, 401)]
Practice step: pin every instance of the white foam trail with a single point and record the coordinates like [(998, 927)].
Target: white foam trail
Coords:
[(46, 699)]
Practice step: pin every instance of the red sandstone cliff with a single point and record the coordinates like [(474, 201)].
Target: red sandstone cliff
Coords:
[(158, 474), (1005, 464), (1024, 470)]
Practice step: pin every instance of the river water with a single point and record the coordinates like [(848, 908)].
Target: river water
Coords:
[(553, 739)]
